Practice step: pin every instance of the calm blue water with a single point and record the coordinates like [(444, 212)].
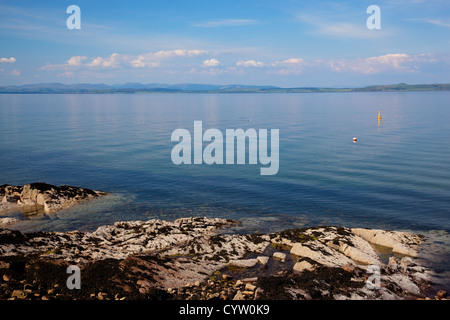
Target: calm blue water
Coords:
[(396, 176)]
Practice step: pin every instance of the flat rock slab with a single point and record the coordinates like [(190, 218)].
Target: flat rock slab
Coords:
[(48, 197), (400, 242), (187, 258)]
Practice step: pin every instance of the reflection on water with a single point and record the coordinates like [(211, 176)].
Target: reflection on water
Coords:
[(82, 216), (396, 176), (31, 211)]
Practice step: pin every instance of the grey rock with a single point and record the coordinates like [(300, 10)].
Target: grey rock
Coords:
[(239, 296), (303, 265), (190, 250), (49, 197)]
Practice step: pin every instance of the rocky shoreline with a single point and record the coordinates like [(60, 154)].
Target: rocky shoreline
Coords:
[(194, 259), (41, 197)]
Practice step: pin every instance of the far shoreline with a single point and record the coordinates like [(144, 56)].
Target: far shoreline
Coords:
[(58, 88)]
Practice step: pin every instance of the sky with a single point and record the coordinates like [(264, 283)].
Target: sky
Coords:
[(251, 42)]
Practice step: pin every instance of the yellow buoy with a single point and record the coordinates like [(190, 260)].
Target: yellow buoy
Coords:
[(379, 114)]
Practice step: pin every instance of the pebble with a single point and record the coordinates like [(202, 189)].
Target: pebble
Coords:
[(243, 263), (441, 294), (226, 277), (263, 260), (19, 294), (104, 296), (239, 296), (393, 261), (250, 287), (279, 256), (303, 265), (349, 267), (393, 264), (258, 292), (407, 262)]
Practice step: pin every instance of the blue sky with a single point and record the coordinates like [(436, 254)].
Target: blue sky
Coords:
[(258, 42)]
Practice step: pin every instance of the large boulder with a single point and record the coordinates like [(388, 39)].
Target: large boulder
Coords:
[(49, 197), (401, 242), (320, 253)]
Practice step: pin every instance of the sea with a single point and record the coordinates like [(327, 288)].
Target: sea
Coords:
[(395, 176)]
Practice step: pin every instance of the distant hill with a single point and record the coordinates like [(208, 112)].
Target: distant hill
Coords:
[(407, 87), (134, 87)]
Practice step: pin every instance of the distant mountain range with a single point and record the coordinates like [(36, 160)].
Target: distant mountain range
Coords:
[(134, 87)]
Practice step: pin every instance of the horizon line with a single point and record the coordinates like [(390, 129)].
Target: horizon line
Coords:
[(220, 85)]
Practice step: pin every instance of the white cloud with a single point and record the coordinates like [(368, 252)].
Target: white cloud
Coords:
[(290, 61), (397, 62), (152, 59), (143, 61), (177, 53), (113, 61), (387, 63), (66, 74), (50, 67), (76, 61), (10, 60), (116, 60), (211, 63), (392, 59), (289, 66), (249, 63), (196, 52), (293, 60), (194, 62), (440, 23)]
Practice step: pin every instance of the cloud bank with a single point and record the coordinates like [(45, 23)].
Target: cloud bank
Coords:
[(8, 60)]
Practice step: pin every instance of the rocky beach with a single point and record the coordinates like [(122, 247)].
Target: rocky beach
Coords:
[(196, 259), (42, 197)]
